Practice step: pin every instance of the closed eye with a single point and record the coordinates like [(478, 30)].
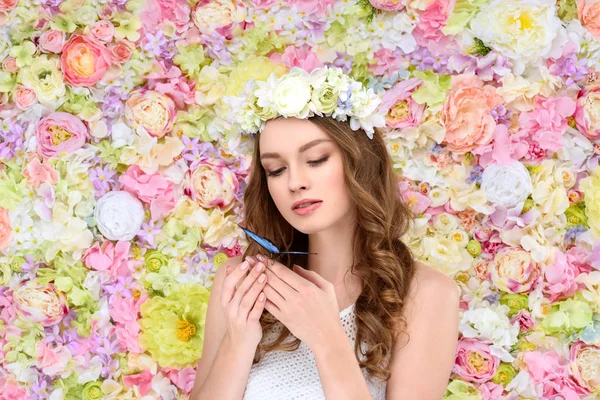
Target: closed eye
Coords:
[(313, 163)]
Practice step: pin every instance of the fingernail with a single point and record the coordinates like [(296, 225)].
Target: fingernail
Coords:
[(260, 257), (260, 267), (244, 265), (250, 259), (262, 278), (261, 297)]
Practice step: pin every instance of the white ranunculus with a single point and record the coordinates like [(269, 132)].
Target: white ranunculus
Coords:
[(119, 215), (292, 94), (506, 184)]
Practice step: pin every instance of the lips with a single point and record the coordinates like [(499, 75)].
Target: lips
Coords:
[(305, 202)]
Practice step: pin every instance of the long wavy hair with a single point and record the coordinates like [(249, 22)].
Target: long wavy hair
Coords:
[(381, 260)]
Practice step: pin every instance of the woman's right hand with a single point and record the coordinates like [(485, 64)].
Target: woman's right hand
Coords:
[(243, 300)]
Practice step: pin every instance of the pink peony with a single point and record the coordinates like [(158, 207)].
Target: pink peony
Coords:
[(589, 15), (83, 61), (123, 310), (108, 257), (127, 336), (474, 361), (37, 302), (491, 391), (316, 7), (6, 6), (560, 278), (587, 115), (213, 185), (301, 57), (183, 379), (152, 189), (152, 110), (10, 65), (466, 113), (60, 132), (5, 230), (548, 122), (584, 363), (401, 110), (52, 41)]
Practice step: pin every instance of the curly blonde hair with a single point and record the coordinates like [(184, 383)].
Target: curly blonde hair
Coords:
[(383, 263)]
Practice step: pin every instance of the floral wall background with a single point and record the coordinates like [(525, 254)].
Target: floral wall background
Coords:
[(121, 179)]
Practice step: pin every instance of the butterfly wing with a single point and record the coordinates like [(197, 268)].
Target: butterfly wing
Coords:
[(265, 243)]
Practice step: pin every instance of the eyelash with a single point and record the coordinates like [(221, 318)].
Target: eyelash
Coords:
[(313, 163)]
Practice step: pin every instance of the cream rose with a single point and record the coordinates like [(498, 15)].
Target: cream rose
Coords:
[(514, 271), (214, 185), (119, 215), (506, 184), (151, 109), (40, 303), (218, 15), (292, 94)]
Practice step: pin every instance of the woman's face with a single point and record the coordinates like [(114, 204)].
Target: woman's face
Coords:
[(302, 162)]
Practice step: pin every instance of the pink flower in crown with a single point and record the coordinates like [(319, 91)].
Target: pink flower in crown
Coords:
[(548, 122), (416, 202), (388, 5), (474, 361), (152, 189), (152, 110), (84, 61), (213, 185), (294, 56), (587, 114), (37, 302), (401, 110), (560, 278), (584, 363), (60, 132), (109, 256)]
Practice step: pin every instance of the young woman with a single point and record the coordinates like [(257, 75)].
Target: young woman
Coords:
[(358, 317)]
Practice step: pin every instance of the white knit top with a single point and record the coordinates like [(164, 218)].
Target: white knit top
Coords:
[(286, 375)]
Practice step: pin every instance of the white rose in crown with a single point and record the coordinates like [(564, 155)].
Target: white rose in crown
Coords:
[(292, 94), (506, 184), (119, 215)]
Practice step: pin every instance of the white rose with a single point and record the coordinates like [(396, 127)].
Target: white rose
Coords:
[(292, 94), (119, 215), (507, 184), (438, 196)]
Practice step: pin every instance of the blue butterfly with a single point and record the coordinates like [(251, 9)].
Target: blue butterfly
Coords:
[(267, 245)]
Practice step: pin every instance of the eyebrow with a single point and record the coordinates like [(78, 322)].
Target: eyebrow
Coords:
[(302, 149)]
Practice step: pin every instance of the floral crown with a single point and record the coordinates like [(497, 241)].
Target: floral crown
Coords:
[(326, 91)]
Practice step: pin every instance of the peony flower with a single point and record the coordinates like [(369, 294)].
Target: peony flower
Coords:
[(119, 215), (584, 363), (466, 113), (83, 61), (213, 185), (60, 132), (152, 110), (222, 16), (52, 41), (474, 362), (589, 15), (506, 185), (401, 110), (44, 76), (5, 230), (514, 271), (292, 94), (40, 303), (173, 326), (587, 114)]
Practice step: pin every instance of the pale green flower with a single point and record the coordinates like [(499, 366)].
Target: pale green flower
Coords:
[(45, 78)]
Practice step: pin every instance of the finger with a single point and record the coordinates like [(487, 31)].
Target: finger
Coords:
[(252, 262), (272, 308), (239, 271), (247, 284), (273, 295), (257, 310), (285, 290), (312, 276), (284, 273), (250, 297)]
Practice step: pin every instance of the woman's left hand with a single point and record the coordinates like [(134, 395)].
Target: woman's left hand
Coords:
[(303, 301)]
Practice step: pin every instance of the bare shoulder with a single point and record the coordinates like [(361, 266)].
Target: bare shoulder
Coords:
[(431, 284)]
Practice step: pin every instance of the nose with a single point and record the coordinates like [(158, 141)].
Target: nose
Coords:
[(298, 180)]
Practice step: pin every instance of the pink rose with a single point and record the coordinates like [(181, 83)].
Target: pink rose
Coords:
[(401, 110), (588, 111), (213, 185), (24, 97), (153, 110), (388, 5), (52, 41), (40, 303), (52, 360), (560, 278), (301, 57), (108, 256), (5, 231), (103, 31), (83, 61), (10, 65), (548, 122), (589, 15), (152, 189), (7, 5), (121, 50), (466, 113), (584, 359), (60, 132), (143, 380), (38, 173), (474, 361)]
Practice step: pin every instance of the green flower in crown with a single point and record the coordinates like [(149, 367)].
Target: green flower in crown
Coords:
[(325, 91)]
